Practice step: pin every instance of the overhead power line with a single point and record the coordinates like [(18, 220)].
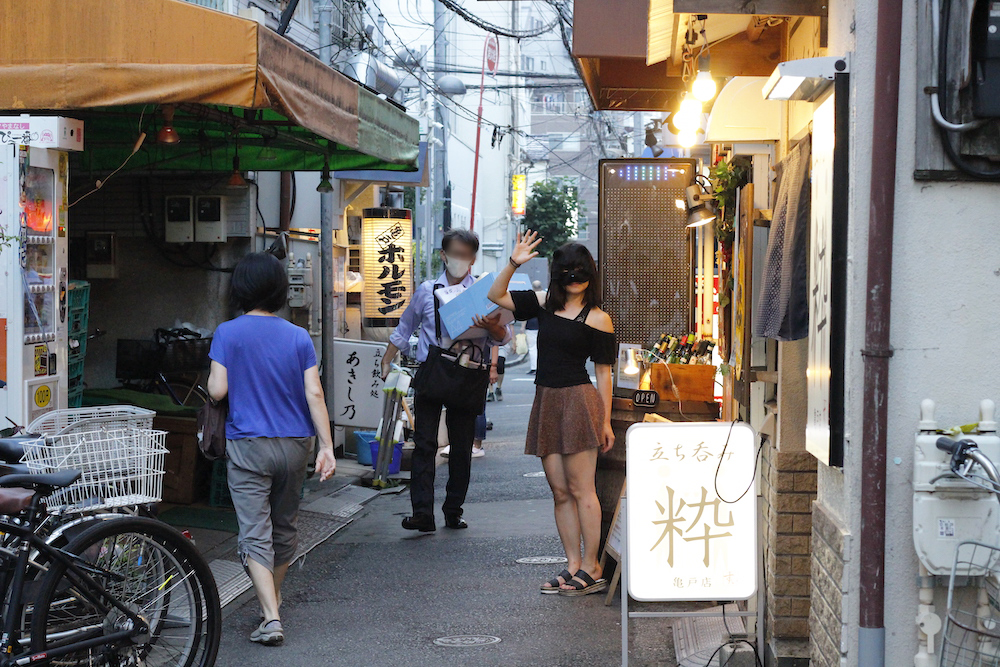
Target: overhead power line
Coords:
[(469, 17)]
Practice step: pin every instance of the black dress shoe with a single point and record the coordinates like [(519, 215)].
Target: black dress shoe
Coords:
[(421, 522), (455, 523)]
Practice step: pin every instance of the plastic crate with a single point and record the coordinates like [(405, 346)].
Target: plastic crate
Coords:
[(78, 296), (78, 346), (75, 369), (74, 396), (78, 321), (218, 495), (75, 382)]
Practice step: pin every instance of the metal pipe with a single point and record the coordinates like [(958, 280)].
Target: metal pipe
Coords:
[(877, 351), (326, 228), (285, 201)]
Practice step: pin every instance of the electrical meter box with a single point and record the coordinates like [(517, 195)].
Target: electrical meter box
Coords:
[(300, 280), (178, 219), (209, 219), (948, 510)]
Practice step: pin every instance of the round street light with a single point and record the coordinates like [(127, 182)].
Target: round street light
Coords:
[(451, 85)]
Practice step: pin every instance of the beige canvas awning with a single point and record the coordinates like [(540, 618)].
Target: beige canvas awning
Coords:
[(99, 54)]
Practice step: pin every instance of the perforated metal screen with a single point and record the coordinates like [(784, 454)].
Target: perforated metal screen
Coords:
[(644, 246)]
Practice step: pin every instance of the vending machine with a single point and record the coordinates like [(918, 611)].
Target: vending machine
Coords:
[(34, 263)]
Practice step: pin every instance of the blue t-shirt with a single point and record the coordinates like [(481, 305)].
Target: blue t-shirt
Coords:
[(265, 359)]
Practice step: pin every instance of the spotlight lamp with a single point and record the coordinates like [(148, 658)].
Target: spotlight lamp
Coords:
[(631, 366), (700, 210), (236, 180), (324, 180)]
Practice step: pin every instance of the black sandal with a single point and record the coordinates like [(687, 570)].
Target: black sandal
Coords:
[(554, 583), (585, 586)]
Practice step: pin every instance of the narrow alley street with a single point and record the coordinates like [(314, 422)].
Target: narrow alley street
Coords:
[(377, 595)]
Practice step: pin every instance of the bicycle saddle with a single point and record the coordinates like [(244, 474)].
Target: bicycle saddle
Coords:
[(45, 483), (12, 449), (13, 501), (14, 469)]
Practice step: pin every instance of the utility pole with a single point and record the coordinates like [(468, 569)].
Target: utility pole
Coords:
[(638, 135), (515, 98), (325, 11), (441, 127)]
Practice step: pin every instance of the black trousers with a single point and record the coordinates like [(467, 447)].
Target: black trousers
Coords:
[(461, 431)]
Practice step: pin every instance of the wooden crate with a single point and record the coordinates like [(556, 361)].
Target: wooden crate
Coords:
[(188, 473), (684, 382)]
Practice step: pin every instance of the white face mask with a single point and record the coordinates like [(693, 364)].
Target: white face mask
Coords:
[(457, 268)]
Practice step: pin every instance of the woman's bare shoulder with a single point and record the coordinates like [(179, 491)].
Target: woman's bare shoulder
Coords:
[(600, 320)]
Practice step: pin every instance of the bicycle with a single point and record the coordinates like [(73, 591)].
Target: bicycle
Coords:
[(172, 363), (125, 592)]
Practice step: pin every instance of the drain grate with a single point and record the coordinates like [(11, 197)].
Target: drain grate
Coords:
[(541, 560), (540, 473), (466, 641)]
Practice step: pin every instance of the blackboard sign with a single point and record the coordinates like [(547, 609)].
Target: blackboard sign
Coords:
[(645, 398)]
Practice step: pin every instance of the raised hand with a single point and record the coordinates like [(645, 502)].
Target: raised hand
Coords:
[(524, 249)]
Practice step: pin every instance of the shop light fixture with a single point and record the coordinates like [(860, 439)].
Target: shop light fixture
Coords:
[(703, 87), (324, 180), (804, 80), (236, 180), (631, 366), (688, 116), (699, 206), (167, 133)]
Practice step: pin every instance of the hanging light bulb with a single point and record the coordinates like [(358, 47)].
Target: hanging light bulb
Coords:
[(324, 180), (687, 138), (167, 133), (688, 116), (631, 367), (703, 88), (236, 180)]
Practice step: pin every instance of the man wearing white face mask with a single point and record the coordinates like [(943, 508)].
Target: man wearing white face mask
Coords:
[(458, 253)]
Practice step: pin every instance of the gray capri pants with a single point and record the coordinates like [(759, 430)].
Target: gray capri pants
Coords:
[(265, 481)]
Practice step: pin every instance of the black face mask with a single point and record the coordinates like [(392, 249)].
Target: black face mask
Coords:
[(572, 276)]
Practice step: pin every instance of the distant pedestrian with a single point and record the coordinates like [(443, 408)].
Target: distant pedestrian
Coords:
[(531, 330), (570, 419), (267, 367), (458, 253)]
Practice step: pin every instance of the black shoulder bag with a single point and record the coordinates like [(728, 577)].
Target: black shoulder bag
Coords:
[(457, 377)]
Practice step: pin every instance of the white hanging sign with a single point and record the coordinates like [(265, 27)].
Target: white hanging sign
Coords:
[(691, 534)]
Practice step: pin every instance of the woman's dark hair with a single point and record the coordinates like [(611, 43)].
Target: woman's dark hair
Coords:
[(465, 236), (568, 257), (259, 281)]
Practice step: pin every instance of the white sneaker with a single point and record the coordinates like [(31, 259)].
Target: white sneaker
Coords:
[(446, 451), (478, 452)]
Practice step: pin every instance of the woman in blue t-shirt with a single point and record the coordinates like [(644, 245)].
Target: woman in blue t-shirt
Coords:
[(267, 367)]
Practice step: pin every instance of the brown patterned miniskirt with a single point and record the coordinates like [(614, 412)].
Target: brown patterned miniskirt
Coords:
[(565, 420)]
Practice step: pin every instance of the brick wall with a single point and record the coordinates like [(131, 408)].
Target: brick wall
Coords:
[(789, 489), (829, 542)]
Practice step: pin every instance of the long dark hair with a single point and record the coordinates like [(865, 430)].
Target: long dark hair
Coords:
[(570, 256)]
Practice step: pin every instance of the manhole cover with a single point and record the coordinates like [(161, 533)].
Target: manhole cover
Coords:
[(541, 560), (540, 473), (467, 640)]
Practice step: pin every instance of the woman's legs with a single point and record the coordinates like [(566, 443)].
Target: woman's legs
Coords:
[(580, 470), (265, 586), (567, 516)]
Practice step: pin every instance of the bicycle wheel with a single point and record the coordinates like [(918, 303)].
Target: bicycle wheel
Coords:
[(151, 569)]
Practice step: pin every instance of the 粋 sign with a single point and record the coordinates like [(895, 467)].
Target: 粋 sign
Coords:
[(386, 245), (691, 529)]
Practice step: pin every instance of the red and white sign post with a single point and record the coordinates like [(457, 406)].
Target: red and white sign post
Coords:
[(491, 58)]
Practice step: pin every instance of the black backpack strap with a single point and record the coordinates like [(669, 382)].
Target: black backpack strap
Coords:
[(437, 313)]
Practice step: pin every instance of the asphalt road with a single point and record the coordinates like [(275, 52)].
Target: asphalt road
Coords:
[(378, 595)]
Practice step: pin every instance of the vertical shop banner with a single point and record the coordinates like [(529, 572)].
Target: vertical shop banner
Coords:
[(357, 383), (820, 258), (692, 511), (387, 245)]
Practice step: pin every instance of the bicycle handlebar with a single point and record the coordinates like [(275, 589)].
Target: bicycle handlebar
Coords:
[(947, 445)]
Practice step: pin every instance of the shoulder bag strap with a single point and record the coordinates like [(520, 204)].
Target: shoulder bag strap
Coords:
[(437, 313)]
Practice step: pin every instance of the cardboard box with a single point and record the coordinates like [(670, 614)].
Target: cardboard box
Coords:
[(188, 473), (459, 309)]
